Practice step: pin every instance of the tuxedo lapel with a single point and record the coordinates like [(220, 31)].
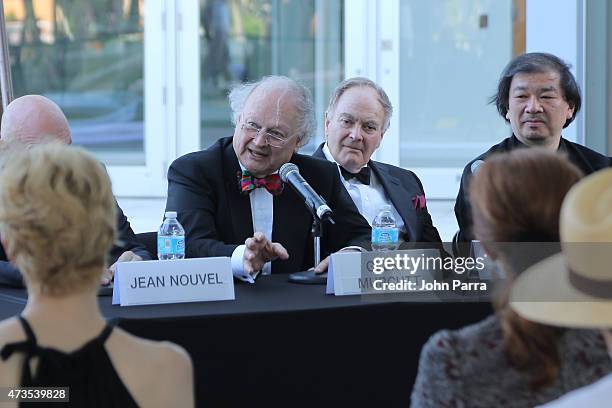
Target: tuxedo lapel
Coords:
[(319, 152), (400, 197), (238, 204)]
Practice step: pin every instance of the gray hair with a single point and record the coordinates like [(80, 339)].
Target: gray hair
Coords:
[(349, 83), (304, 105)]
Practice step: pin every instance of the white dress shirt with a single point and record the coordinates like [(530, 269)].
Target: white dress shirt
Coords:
[(369, 200), (262, 213)]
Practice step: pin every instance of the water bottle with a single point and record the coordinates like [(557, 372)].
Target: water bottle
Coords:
[(171, 238), (385, 234)]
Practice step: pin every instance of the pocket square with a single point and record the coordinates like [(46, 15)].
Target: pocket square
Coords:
[(419, 202)]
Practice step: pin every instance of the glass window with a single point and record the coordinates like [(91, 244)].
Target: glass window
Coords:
[(88, 57), (243, 40), (451, 55)]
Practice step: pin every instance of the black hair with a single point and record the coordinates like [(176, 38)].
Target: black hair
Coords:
[(538, 62)]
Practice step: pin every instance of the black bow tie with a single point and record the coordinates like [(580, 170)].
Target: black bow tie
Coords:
[(363, 176)]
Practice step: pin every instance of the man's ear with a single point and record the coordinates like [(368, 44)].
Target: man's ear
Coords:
[(299, 144), (380, 140), (327, 121)]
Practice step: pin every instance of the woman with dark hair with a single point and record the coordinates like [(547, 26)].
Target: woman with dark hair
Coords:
[(574, 287), (505, 360)]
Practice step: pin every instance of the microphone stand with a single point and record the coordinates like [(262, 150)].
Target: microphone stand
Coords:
[(309, 277), (316, 236)]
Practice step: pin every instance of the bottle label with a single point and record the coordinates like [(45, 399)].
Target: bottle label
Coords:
[(170, 245), (385, 235)]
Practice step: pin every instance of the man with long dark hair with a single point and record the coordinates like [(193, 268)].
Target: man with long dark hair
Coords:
[(539, 97)]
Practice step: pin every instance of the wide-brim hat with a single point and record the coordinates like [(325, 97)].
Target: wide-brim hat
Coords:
[(574, 288)]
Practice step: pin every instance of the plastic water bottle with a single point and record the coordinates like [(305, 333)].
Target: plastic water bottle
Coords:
[(385, 234), (171, 238)]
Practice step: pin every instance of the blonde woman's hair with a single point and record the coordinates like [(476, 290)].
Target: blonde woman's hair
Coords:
[(57, 217)]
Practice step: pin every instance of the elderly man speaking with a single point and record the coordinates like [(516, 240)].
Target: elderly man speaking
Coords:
[(231, 201)]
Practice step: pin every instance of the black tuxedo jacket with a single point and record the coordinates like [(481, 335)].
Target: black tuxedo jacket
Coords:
[(587, 160), (203, 189), (401, 186), (126, 241)]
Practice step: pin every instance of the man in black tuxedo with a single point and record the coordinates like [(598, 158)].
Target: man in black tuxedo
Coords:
[(231, 202), (357, 117), (539, 97), (34, 119)]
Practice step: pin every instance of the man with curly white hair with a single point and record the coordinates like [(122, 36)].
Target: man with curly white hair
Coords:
[(231, 201)]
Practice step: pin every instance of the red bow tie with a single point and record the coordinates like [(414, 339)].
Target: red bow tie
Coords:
[(248, 183)]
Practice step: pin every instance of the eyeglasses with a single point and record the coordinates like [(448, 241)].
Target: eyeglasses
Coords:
[(273, 137)]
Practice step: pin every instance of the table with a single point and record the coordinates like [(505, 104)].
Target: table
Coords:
[(284, 344)]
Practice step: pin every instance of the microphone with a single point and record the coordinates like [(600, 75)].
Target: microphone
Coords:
[(289, 173)]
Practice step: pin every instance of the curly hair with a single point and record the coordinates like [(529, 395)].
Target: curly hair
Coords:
[(303, 102), (57, 217), (517, 197)]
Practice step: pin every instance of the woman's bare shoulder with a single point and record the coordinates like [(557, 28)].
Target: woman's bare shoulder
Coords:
[(155, 372), (11, 331)]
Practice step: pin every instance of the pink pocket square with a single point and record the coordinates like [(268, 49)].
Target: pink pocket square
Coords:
[(419, 202)]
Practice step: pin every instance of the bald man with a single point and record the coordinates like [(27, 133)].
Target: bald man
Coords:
[(34, 119)]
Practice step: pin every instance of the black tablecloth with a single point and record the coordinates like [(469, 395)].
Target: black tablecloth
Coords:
[(285, 344)]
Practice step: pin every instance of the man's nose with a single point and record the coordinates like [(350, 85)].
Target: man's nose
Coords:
[(356, 133), (533, 105), (260, 139)]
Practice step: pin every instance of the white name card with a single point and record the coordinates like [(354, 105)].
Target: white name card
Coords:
[(348, 274), (343, 273), (173, 281)]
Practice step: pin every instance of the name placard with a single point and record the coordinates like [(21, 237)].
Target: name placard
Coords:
[(342, 274), (173, 281), (355, 273)]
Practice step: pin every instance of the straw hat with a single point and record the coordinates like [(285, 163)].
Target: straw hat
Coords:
[(574, 288)]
